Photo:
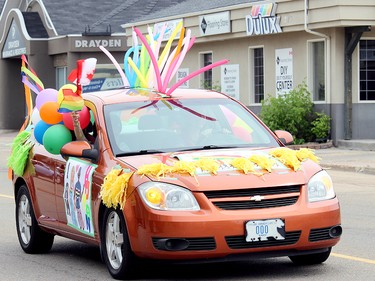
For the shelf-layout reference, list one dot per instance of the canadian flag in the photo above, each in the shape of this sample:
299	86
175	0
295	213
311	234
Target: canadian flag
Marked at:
83	74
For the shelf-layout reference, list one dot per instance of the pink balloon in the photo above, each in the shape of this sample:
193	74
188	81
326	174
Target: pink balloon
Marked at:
177	62
151	54
44	96
84	118
195	73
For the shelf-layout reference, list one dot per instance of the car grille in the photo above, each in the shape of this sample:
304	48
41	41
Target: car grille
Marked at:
319	234
244	199
239	242
194	244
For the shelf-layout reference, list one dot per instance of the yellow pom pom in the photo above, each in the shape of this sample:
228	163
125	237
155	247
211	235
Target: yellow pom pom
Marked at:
262	161
206	164
184	167
306	153
243	164
113	189
155	170
287	156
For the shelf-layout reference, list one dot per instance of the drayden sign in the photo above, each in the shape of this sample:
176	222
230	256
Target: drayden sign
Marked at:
95	43
262	20
14	44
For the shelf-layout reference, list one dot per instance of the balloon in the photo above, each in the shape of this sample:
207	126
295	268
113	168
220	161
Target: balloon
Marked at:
151	54
39	130
35	116
55	137
92	117
118	67
45	96
49	113
84	118
195	73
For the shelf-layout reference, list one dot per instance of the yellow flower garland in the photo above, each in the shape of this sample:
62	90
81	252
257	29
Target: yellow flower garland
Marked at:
113	189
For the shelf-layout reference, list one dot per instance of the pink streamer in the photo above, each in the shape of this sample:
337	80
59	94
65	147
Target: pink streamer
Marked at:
195	73
152	57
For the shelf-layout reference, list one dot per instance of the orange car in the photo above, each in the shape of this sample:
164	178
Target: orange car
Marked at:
187	177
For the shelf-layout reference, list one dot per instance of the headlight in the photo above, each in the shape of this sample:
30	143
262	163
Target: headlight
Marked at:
320	187
163	196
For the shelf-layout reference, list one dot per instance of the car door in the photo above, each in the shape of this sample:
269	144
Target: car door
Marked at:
44	186
73	194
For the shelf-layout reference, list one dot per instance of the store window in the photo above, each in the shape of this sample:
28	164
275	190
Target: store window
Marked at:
206	59
257	73
317	63
61	77
367	70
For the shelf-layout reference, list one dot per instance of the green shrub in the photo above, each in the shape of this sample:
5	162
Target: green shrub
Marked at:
292	112
321	126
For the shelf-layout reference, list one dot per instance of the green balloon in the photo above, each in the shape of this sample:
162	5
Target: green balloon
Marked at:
92	117
55	137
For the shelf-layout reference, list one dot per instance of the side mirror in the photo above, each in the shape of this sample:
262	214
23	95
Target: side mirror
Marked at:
80	149
284	136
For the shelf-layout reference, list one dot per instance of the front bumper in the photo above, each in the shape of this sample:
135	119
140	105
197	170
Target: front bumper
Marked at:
217	234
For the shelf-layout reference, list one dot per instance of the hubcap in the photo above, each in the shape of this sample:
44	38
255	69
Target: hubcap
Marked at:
114	240
24	219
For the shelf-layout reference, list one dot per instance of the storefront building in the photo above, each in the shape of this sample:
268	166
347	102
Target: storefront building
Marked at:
53	35
272	47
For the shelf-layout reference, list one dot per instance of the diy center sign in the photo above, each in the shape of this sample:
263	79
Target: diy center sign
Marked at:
284	71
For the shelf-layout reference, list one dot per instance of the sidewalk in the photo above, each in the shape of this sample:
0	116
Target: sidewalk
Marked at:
351	156
354	160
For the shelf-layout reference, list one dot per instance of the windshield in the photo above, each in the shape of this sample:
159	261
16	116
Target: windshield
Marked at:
169	125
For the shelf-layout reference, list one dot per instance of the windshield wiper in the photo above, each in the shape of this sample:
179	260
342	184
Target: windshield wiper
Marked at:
140	152
213	146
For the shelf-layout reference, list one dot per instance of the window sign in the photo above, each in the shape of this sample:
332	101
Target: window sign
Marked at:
284	70
14	44
181	74
171	25
230	80
263	20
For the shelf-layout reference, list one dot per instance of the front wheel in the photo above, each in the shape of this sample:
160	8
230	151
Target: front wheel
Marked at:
116	250
31	237
311	259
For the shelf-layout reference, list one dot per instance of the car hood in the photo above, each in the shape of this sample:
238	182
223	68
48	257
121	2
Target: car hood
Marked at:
226	176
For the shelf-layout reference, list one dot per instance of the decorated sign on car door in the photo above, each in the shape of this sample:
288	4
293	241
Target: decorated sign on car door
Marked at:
77	195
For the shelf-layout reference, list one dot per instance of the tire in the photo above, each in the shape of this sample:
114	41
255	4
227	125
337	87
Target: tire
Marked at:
32	238
311	259
115	245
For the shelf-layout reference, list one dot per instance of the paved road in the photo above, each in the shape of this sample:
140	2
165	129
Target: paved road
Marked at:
352	259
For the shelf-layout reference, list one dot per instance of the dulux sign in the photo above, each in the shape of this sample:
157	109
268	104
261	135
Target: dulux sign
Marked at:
262	20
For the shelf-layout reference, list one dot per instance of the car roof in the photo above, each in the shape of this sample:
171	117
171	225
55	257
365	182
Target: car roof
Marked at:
140	94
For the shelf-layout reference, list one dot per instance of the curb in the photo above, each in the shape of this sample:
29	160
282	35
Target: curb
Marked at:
312	145
344	168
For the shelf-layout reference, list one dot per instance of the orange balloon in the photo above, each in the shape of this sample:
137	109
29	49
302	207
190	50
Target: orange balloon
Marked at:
49	113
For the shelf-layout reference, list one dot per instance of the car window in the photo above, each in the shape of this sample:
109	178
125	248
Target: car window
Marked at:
173	125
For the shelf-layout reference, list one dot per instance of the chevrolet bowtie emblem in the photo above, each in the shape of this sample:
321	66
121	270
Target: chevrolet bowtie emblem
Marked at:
257	198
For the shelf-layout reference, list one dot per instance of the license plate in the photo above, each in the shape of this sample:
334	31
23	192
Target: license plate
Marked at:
262	230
